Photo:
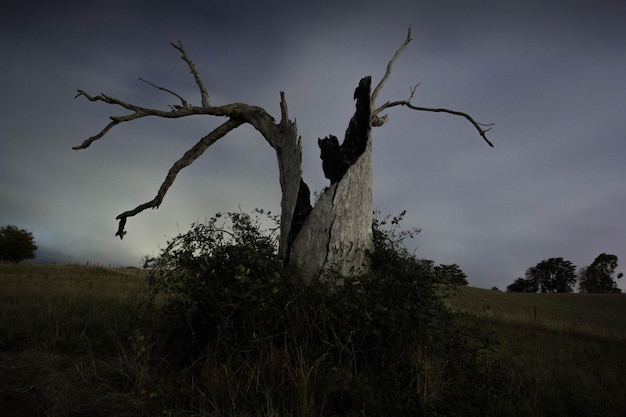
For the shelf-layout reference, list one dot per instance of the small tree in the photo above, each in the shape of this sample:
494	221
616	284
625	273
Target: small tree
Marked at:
598	277
16	244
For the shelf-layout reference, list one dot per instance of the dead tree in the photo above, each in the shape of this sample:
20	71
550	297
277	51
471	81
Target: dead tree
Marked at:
335	234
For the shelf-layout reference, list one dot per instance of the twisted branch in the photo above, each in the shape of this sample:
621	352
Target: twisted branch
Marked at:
282	137
187	159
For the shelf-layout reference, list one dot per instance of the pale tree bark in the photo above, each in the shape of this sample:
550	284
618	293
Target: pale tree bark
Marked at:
334	235
337	235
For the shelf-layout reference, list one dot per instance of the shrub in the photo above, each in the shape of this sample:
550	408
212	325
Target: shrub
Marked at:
257	337
219	284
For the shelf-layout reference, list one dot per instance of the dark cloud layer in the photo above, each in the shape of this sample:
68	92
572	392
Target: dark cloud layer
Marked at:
548	74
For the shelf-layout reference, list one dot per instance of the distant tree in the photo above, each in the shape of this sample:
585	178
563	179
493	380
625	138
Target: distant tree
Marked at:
522	285
451	274
552	275
16	244
598	277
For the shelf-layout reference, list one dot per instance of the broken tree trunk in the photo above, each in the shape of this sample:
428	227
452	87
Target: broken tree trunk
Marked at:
337	236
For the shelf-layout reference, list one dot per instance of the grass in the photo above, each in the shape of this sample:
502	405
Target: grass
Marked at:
71	344
600	316
44	305
64	340
565	352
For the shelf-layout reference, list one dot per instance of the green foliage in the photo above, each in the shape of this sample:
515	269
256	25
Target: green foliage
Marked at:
219	283
598	277
380	344
16	244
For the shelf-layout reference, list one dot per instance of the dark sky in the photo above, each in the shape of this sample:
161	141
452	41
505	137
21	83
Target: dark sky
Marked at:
549	75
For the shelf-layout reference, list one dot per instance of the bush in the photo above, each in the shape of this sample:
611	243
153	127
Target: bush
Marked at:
16	244
257	337
217	282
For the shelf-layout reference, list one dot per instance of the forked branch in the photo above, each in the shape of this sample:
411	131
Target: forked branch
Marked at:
378	120
279	136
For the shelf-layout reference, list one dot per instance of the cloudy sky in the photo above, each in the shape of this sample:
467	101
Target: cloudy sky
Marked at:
548	74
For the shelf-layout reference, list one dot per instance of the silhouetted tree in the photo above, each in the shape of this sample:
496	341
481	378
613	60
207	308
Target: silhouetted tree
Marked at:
16	244
598	277
522	285
552	275
451	274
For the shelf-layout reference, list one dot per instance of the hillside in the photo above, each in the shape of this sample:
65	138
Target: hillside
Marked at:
602	315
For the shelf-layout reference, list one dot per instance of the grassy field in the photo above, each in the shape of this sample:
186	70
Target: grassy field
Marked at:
595	315
64	341
71	345
566	351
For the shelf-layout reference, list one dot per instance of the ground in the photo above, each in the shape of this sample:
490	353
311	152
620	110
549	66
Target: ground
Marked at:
34	383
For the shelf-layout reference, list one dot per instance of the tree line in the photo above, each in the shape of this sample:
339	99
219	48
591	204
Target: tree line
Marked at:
559	275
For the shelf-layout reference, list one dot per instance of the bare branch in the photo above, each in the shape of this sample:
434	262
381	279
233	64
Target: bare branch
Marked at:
477	125
281	136
94	138
229	110
187	159
390	65
182	100
377	120
203	91
413	91
138	113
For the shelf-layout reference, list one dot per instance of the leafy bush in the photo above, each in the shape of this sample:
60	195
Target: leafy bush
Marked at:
380	344
219	284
